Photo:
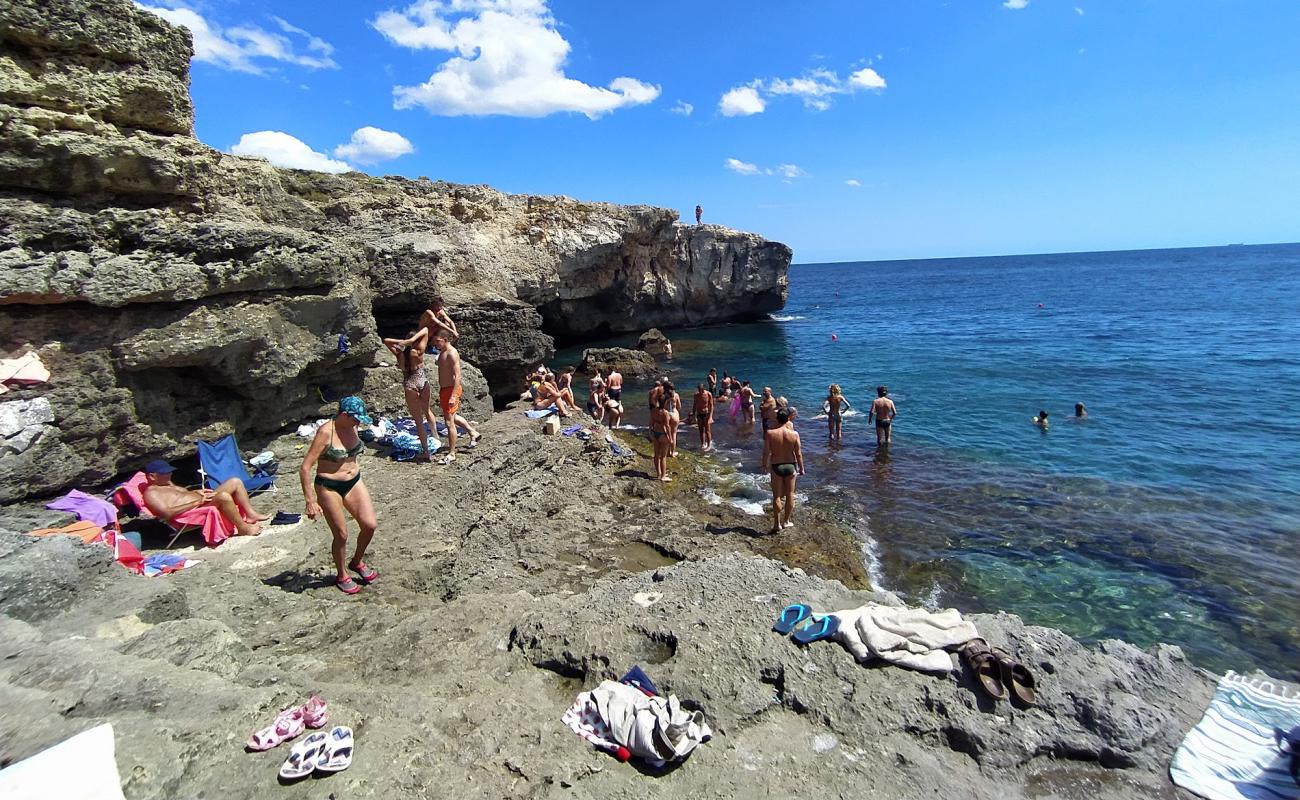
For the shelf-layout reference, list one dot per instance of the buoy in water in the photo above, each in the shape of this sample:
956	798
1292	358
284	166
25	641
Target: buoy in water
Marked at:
834	338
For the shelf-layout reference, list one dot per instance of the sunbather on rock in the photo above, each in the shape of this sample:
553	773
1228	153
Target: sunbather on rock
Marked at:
546	393
165	499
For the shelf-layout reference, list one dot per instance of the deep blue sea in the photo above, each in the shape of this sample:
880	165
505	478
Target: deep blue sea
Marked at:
1171	514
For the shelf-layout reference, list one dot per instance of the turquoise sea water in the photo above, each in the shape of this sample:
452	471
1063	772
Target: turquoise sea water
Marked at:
1171	514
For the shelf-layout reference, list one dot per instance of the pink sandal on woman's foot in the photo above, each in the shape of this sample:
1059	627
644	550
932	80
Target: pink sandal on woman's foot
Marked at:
286	726
315	713
347	585
367	573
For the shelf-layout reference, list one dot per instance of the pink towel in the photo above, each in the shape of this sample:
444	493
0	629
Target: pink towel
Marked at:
216	528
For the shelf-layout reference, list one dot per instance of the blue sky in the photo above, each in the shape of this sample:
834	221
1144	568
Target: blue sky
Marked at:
849	130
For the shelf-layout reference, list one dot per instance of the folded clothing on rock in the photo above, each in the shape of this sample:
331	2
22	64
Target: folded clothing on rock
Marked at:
907	637
26	369
162	563
626	721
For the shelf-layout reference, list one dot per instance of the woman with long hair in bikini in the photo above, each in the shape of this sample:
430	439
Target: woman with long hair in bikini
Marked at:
674	415
835	405
337	490
415	384
660	424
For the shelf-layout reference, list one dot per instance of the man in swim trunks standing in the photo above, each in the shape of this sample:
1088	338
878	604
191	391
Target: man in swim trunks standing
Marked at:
614	384
768	408
699	212
449	393
783	456
702	410
883	411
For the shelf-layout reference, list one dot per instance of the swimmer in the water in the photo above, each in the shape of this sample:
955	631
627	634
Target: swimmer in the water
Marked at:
1040	420
1080	412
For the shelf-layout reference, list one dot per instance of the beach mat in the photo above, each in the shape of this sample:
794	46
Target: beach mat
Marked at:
1232	754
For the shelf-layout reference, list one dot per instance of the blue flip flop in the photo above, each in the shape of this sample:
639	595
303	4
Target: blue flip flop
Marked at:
817	629
791	616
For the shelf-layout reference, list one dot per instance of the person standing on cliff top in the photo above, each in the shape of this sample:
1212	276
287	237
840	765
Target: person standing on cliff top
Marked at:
699	212
614	385
449	393
783	456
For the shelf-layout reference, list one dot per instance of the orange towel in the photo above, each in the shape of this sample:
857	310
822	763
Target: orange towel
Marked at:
84	530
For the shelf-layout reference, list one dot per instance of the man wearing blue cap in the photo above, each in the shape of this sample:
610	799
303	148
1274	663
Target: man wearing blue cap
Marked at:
166	500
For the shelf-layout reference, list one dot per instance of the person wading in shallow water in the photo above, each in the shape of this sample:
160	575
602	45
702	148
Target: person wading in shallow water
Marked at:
660	423
883	412
783	456
702	411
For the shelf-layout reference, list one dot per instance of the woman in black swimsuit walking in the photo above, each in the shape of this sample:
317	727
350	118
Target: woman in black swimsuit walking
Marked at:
337	489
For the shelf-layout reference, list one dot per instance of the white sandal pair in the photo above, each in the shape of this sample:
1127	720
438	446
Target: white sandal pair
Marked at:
319	752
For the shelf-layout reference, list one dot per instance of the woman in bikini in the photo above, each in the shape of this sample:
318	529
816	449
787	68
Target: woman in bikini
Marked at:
415	383
835	405
674	415
660	422
747	402
337	490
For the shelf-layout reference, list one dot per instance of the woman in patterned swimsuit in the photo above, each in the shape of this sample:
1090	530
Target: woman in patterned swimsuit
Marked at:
415	384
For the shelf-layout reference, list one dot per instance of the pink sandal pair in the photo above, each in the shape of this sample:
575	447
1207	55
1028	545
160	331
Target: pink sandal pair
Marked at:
290	723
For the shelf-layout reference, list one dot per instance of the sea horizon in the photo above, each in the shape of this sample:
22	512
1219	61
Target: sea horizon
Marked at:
1043	254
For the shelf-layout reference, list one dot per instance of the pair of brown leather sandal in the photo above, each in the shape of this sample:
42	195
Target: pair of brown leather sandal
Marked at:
996	671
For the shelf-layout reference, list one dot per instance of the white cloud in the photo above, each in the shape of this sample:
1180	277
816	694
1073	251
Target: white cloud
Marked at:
853	182
284	150
867	78
741	101
786	172
509	59
684	108
372	145
816	88
241	48
741	167
1078	11
1015	3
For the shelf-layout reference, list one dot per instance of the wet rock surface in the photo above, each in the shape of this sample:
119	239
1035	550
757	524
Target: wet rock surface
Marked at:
177	291
633	364
532	569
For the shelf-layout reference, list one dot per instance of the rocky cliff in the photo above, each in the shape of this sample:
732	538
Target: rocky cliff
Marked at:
177	291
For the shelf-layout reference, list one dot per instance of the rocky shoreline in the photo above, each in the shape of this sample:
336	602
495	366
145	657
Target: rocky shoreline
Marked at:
508	585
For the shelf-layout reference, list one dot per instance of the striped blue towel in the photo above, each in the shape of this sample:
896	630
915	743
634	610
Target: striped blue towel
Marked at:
1232	754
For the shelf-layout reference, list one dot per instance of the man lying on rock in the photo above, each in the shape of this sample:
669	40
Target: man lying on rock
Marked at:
165	500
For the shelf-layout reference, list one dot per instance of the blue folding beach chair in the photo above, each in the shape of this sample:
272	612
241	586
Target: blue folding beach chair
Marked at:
219	461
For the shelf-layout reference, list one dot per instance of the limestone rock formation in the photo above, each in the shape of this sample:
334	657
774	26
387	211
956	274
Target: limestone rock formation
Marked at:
178	292
633	364
655	343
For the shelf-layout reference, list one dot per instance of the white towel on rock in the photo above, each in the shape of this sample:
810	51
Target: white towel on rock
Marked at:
907	637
